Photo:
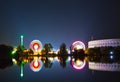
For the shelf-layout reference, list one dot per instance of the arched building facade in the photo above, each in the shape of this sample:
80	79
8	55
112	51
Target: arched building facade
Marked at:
104	42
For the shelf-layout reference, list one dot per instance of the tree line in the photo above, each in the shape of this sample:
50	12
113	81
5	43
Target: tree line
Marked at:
104	54
7	53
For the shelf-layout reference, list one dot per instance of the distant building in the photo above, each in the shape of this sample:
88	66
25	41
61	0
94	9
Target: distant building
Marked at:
104	66
104	42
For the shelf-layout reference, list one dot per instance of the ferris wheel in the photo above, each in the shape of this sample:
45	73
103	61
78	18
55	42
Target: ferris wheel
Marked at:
77	45
36	45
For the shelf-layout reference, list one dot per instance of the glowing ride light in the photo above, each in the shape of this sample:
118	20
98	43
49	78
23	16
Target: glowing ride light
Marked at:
36	45
78	65
78	45
36	65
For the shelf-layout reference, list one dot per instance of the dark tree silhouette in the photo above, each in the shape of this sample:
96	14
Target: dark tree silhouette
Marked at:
47	63
47	48
102	54
63	61
79	54
63	54
20	54
63	50
5	56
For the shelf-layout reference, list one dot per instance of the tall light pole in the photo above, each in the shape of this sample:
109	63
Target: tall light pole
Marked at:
21	38
22	63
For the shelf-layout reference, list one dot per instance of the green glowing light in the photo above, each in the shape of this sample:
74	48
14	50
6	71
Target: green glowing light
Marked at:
21	75
21	40
13	52
21	71
23	62
21	36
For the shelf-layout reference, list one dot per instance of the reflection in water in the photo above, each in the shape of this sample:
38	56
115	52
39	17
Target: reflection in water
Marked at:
47	62
78	64
62	61
36	65
38	57
68	59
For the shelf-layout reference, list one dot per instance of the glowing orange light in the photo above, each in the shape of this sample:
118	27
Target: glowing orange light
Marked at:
78	65
36	65
36	46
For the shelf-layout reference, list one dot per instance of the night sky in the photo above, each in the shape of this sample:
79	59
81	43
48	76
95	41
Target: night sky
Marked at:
57	21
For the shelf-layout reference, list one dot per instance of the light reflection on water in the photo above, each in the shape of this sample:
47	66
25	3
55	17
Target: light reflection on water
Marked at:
57	73
37	63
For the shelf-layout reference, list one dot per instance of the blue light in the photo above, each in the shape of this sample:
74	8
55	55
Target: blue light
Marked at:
111	57
111	52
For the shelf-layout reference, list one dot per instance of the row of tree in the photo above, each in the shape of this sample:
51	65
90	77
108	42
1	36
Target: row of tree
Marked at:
97	54
104	54
7	53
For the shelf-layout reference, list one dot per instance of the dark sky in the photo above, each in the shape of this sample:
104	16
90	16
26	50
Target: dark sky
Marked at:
57	21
